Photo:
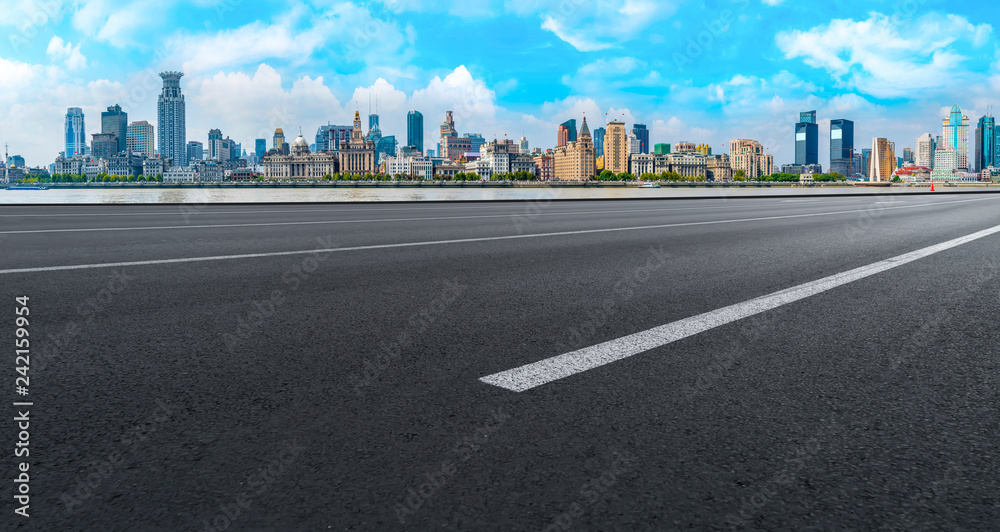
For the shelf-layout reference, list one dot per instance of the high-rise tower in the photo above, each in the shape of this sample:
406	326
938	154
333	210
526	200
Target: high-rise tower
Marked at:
171	119
76	134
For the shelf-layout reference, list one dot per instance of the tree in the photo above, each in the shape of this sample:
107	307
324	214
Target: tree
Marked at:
607	175
740	175
896	179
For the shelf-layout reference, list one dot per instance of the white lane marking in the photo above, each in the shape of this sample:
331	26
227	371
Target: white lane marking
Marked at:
389	220
558	367
439	242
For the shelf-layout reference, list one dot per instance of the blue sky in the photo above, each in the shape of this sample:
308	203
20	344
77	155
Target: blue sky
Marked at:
698	70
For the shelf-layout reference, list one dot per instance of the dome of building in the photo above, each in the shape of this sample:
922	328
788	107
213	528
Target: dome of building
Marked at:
300	142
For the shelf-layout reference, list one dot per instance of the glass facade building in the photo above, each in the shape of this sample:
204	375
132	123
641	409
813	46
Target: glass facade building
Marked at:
171	118
76	134
807	139
841	147
986	143
415	130
115	121
570	126
640	133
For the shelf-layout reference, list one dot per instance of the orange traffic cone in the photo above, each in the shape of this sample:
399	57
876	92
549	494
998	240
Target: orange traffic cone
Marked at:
932	187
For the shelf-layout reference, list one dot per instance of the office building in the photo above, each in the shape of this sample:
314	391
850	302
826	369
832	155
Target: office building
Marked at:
986	144
195	152
522	146
661	149
599	141
562	136
956	137
882	160
357	155
718	168
415	130
570	126
140	138
684	147
337	135
908	156
171	118
807	139
115	122
75	133
641	134
278	142
260	148
616	153
842	147
104	145
750	157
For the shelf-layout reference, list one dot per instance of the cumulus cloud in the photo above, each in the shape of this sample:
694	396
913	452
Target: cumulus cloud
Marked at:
593	26
887	58
66	52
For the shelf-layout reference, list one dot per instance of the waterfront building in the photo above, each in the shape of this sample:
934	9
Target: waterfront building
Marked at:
357	155
616	150
300	164
599	141
155	166
689	164
71	165
641	163
802	169
171	118
570	126
842	147
338	134
661	149
260	148
807	139
415	130
634	145
750	157
718	168
213	146
562	136
576	160
75	132
908	156
522	146
413	165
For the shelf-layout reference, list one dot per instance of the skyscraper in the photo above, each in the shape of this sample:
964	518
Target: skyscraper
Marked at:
260	148
76	134
956	137
115	122
925	151
279	139
171	118
415	130
562	136
866	157
616	147
599	141
908	156
571	129
807	139
522	145
215	147
883	160
986	143
841	147
640	132
140	138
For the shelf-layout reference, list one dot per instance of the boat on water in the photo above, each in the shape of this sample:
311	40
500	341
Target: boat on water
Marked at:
26	187
649	185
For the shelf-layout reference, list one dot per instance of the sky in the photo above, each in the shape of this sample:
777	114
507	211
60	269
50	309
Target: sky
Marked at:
702	71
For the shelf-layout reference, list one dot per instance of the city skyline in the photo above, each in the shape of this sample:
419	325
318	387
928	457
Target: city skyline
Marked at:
645	62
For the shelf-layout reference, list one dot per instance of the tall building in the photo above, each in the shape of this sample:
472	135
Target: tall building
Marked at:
576	160
750	156
260	148
140	138
522	145
279	140
924	155
842	147
908	156
956	137
357	156
415	130
104	145
171	118
115	121
76	132
195	152
616	147
640	132
986	144
599	141
562	136
807	139
883	160
571	129
215	147
866	158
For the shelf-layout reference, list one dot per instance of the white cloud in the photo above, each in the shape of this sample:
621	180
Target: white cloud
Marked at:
65	51
593	26
885	57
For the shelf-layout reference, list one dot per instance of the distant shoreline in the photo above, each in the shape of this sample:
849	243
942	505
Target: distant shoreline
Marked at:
472	184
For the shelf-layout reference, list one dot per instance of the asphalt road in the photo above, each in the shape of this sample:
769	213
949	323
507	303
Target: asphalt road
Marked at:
315	367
